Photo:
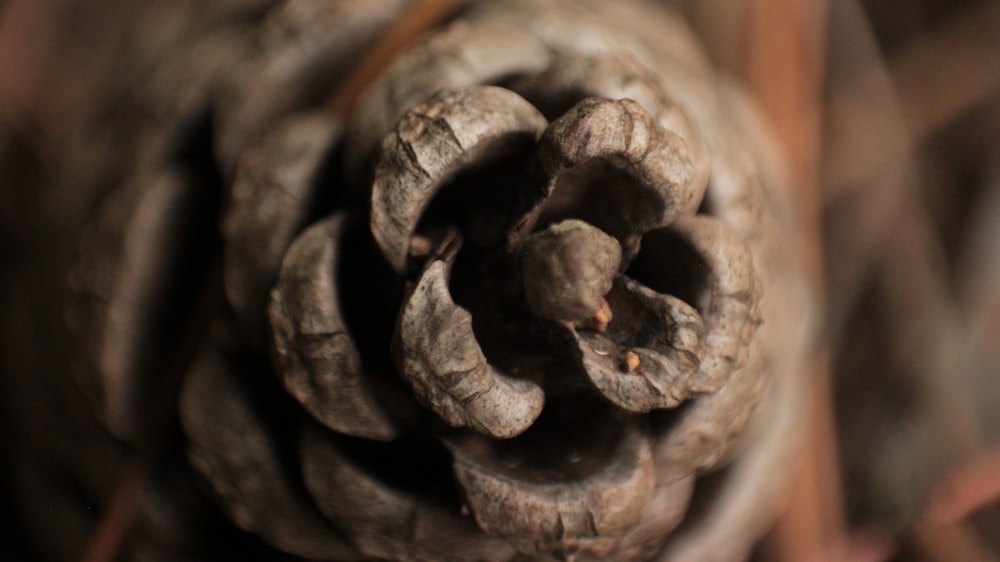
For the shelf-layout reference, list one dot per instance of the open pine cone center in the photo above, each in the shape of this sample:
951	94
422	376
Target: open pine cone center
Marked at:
511	307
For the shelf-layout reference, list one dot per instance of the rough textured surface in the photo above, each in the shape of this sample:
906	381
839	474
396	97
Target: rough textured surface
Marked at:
649	354
276	186
240	456
432	141
315	353
127	300
382	521
584	513
289	62
442	360
658	178
515	306
463	54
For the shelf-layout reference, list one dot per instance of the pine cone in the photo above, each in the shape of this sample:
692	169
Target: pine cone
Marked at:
512	307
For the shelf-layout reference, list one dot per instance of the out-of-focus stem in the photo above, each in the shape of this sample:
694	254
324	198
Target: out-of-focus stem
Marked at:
783	66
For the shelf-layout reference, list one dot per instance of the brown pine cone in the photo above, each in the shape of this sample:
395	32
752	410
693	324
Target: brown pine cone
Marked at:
522	303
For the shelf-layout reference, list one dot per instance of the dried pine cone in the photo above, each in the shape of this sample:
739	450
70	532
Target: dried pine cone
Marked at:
518	301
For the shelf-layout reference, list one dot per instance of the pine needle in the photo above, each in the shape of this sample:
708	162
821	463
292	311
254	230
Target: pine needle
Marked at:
419	17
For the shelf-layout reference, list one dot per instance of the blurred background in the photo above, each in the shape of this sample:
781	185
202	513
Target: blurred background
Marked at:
889	114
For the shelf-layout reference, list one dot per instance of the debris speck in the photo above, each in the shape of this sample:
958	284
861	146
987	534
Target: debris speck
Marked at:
420	246
599	322
631	361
